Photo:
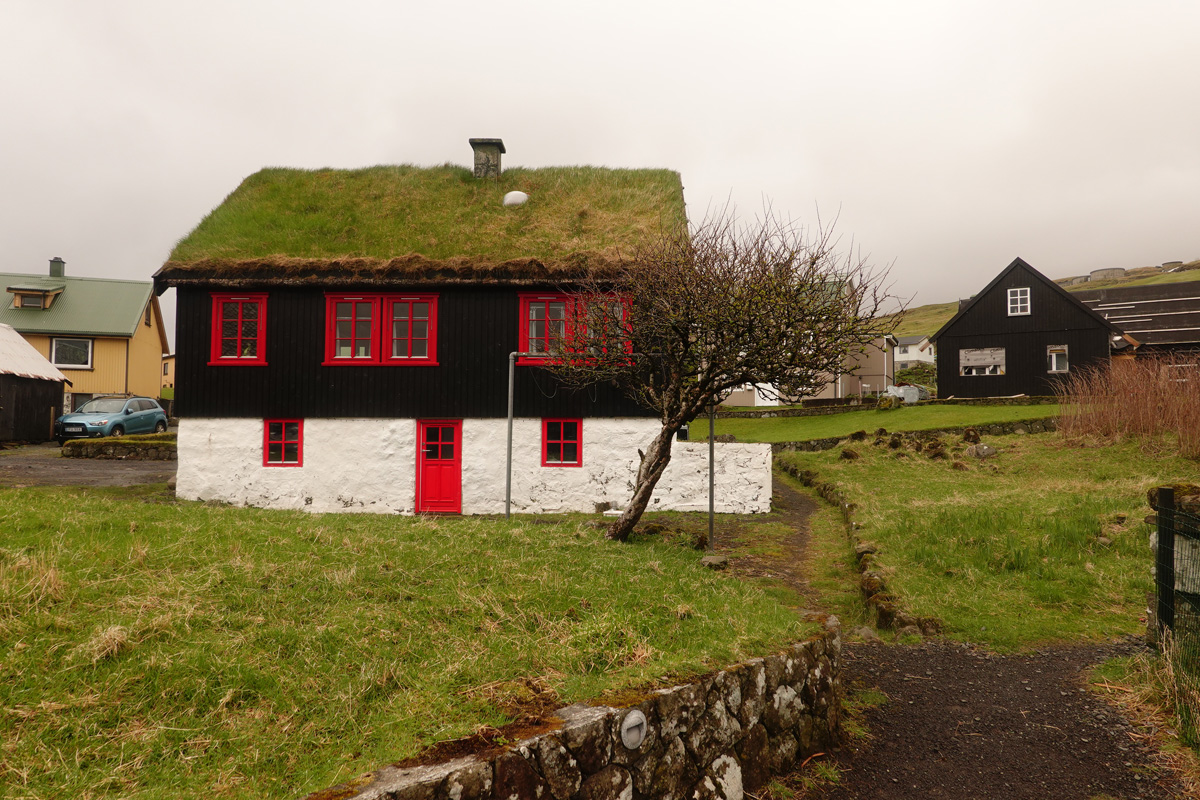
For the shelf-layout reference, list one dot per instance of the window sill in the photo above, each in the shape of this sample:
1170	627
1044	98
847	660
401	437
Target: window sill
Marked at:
75	367
556	464
368	362
238	362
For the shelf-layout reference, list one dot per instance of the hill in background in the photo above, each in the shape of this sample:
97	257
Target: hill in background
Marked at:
925	320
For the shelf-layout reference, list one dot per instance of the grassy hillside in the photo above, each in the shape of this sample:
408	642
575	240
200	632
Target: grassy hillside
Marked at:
926	320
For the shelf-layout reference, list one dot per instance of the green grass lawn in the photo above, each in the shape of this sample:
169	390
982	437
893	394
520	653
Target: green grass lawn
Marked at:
154	648
905	418
1044	542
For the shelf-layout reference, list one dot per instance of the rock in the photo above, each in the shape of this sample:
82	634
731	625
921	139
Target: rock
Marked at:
514	777
910	630
881	432
970	436
784	710
959	466
858	436
658	774
714	732
754	692
849	455
753	754
472	782
862	548
610	783
1104	541
980	451
715	562
895	442
171	483
722	781
559	768
833	623
588	735
865	633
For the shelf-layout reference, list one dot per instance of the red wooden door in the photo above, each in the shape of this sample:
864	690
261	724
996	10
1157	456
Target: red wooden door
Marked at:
439	466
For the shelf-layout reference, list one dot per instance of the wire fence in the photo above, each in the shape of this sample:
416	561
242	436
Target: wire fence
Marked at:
1176	544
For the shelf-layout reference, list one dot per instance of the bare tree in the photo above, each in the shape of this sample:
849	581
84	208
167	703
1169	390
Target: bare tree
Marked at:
695	314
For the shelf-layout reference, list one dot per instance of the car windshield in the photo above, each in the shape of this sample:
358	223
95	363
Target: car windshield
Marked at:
103	405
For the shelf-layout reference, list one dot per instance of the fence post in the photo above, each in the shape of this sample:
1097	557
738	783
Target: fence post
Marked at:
1164	564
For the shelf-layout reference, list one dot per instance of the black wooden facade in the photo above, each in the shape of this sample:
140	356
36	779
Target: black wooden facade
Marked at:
1055	319
28	408
477	328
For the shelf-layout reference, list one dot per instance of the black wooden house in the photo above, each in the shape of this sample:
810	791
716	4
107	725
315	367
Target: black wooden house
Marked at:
343	343
1021	335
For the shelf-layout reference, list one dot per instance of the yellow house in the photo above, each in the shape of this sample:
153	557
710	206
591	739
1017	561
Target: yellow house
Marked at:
106	336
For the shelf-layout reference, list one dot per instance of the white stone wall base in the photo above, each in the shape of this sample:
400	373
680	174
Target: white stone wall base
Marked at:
369	465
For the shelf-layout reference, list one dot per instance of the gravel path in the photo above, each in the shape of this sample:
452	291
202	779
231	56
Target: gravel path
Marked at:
41	465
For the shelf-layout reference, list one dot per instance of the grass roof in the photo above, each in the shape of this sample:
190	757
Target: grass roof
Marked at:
405	219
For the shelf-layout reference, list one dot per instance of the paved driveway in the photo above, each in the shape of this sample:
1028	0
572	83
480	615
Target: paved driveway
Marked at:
42	465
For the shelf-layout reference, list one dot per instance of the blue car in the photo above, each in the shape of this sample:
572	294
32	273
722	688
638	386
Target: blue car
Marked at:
111	416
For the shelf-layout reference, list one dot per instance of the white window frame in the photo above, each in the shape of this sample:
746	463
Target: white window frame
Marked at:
1052	353
54	352
1018	302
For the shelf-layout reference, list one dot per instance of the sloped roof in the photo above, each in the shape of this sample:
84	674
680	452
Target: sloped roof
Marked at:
18	357
86	306
965	307
1155	314
438	223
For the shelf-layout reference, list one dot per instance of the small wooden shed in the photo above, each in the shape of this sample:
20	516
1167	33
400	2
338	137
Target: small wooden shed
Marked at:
31	390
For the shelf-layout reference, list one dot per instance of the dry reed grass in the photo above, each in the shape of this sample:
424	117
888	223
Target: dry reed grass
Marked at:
1143	399
28	583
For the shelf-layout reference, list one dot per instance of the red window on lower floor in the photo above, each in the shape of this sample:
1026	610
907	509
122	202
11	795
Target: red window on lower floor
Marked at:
562	442
283	443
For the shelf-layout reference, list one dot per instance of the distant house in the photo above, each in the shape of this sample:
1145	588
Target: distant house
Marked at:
31	390
106	336
168	372
1022	334
1164	317
344	341
912	350
869	372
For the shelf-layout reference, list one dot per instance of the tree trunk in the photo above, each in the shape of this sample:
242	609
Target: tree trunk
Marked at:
654	463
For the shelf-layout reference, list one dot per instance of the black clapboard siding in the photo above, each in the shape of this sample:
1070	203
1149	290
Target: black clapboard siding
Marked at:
28	408
477	329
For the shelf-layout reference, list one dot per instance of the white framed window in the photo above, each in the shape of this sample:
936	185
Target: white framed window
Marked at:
76	353
981	361
1018	302
1056	358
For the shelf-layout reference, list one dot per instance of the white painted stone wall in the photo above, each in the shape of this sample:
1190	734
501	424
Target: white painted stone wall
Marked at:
370	465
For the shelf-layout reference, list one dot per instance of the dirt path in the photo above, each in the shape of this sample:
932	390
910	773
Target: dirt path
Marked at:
960	722
41	465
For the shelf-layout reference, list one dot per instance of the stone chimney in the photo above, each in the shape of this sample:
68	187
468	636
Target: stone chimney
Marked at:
57	267
487	157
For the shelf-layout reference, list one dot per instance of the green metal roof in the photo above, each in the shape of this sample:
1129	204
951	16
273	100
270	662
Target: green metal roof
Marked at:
86	306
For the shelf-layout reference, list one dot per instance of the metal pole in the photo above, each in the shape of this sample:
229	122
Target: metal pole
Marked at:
711	481
512	368
1164	563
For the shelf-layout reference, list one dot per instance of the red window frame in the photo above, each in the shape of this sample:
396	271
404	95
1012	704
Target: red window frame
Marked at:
390	304
380	334
219	301
574	309
283	439
555	435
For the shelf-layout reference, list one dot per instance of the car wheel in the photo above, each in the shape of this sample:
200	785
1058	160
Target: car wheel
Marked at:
160	427
117	431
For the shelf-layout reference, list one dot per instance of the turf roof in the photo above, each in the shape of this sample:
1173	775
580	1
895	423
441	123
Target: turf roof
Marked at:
406	220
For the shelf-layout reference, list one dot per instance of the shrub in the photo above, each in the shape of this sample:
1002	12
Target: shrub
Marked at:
1139	398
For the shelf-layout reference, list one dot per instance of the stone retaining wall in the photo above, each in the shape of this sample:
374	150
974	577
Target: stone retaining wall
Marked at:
871	404
119	448
715	739
1045	425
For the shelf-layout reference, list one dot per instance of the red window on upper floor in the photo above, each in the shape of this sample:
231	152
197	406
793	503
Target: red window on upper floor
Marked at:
239	330
562	442
547	319
283	443
376	329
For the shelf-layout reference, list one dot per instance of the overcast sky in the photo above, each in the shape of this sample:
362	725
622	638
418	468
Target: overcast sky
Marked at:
948	137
